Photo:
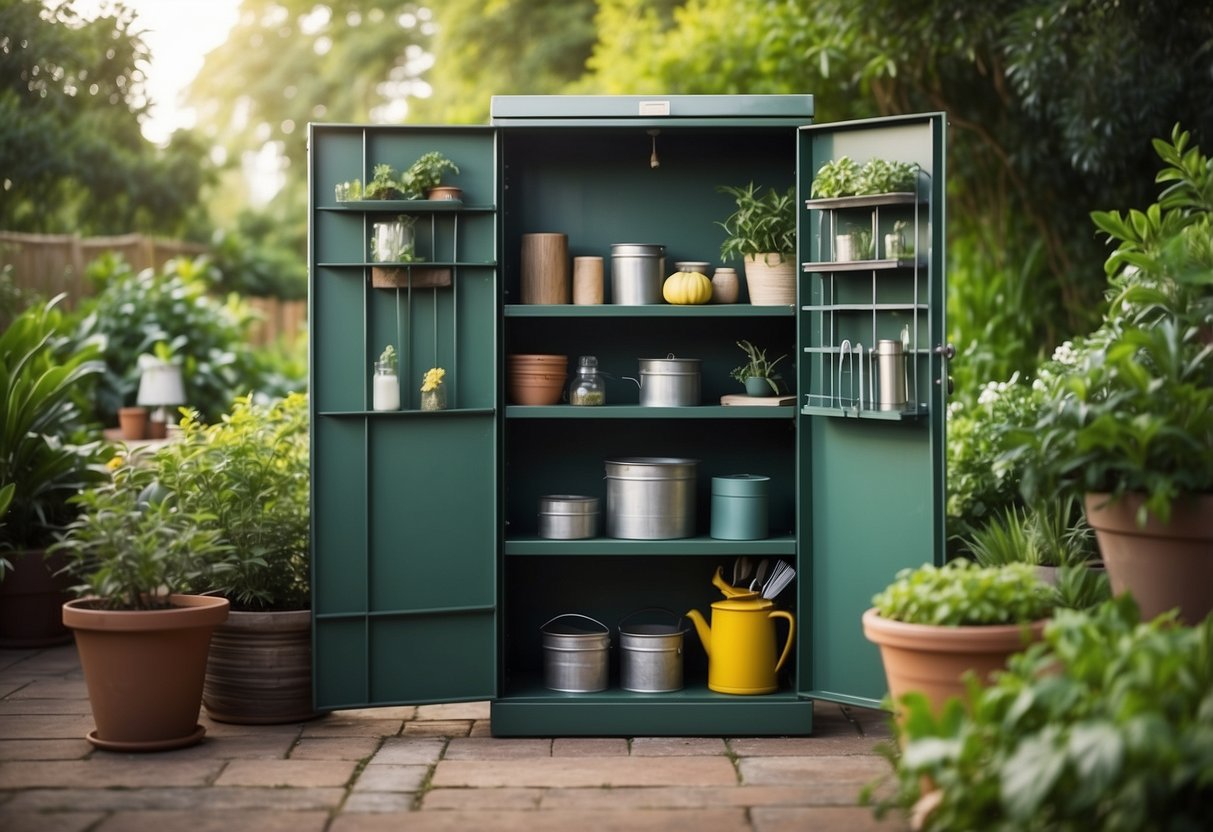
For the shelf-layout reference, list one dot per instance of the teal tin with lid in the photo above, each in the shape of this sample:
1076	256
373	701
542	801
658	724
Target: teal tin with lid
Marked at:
739	507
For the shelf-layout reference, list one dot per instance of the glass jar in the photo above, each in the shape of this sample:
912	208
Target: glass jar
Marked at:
726	287
434	399
385	387
587	387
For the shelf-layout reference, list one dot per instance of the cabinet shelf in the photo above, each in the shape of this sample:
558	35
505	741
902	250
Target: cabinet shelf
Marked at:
861	265
426	264
700	546
853	412
839	203
653	310
407	414
405	206
633	411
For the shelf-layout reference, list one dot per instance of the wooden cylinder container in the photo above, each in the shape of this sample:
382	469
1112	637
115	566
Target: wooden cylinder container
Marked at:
545	268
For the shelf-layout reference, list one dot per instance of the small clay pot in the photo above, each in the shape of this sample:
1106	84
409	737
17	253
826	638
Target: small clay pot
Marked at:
535	388
133	422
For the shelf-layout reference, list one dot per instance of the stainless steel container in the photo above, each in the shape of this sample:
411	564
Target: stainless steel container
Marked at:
574	657
891	375
669	382
637	273
650	657
568	516
650	498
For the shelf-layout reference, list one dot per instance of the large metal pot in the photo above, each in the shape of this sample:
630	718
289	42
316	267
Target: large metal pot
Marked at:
637	273
668	382
650	498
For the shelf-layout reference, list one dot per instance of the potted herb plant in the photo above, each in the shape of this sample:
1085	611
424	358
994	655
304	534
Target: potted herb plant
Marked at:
383	184
424	178
762	231
845	177
1102	726
1129	422
934	624
45	458
757	374
142	640
247	477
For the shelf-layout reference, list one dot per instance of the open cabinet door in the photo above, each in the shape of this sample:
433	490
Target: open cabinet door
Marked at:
404	501
873	382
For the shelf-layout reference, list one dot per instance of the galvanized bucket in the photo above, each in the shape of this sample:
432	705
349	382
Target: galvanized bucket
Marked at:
568	516
650	659
574	658
650	497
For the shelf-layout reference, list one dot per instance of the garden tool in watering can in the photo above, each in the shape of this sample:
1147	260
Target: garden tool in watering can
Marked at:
740	642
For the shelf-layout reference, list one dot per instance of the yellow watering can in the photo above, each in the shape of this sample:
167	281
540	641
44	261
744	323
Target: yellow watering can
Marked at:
741	641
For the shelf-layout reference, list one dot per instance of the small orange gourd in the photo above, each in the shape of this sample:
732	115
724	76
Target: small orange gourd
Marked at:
687	288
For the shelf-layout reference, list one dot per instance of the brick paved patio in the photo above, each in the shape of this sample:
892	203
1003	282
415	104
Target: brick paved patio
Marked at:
430	767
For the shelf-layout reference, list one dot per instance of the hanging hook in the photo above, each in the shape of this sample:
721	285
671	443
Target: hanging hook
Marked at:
654	162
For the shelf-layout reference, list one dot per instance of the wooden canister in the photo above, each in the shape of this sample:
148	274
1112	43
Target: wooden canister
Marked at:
545	268
587	280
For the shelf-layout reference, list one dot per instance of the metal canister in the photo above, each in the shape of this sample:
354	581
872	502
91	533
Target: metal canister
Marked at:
650	657
575	658
637	273
651	498
669	382
890	375
739	507
568	516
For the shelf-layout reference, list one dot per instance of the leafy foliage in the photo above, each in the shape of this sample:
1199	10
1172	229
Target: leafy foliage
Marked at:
964	594
845	177
757	366
71	151
246	480
762	224
42	452
1053	533
135	312
1106	726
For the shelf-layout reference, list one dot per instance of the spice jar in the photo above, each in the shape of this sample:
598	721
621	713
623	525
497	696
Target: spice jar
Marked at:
386	386
587	387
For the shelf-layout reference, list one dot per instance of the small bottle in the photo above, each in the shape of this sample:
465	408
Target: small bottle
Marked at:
726	287
385	388
587	387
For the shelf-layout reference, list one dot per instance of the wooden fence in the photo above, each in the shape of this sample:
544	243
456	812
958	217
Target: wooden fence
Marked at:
52	263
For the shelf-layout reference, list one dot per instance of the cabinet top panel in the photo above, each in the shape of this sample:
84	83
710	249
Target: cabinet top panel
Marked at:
504	108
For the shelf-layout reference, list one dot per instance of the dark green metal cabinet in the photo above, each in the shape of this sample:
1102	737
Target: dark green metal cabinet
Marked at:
430	582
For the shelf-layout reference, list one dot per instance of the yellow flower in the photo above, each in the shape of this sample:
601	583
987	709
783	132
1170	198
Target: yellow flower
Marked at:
115	462
433	378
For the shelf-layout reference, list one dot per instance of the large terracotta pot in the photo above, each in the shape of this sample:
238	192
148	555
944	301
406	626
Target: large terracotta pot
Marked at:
144	670
1161	566
535	379
260	669
933	660
32	596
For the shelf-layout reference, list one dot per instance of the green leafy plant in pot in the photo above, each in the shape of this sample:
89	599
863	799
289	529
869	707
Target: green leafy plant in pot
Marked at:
1102	726
247	477
142	640
46	456
757	374
934	625
1129	423
762	232
424	177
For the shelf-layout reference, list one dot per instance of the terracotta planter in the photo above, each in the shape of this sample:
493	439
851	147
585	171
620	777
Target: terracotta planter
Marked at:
144	670
133	422
933	660
770	279
260	669
1161	566
31	601
444	192
535	378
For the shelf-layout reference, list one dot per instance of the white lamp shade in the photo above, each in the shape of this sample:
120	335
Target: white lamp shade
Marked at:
161	385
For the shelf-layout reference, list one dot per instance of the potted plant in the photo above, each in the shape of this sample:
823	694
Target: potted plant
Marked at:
433	393
45	459
762	231
934	625
142	641
757	374
845	177
1129	422
246	477
1050	535
1102	726
383	184
424	178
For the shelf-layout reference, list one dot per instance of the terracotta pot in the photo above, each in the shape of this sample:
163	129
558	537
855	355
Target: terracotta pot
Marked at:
536	361
1161	566
933	660
444	192
133	422
260	669
144	670
32	596
770	279
543	388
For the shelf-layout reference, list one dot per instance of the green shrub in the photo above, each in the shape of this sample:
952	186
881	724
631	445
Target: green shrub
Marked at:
134	312
964	594
1105	726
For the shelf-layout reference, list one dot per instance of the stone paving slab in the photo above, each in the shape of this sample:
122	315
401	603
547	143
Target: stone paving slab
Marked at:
438	728
223	821
45	726
107	771
677	746
48	821
51	688
644	820
15	705
379	802
813	746
408	750
678	797
391	778
293	773
555	772
506	799
183	799
589	747
44	749
335	725
779	770
489	748
836	819
338	748
454	710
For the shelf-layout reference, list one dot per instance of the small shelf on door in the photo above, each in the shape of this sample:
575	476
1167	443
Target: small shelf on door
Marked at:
406	206
839	203
694	546
862	265
823	406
